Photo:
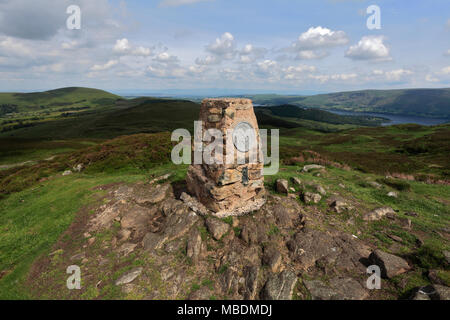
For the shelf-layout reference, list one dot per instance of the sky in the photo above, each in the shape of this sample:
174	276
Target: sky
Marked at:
232	46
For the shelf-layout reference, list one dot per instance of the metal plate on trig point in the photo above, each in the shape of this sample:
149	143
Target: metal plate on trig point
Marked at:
244	136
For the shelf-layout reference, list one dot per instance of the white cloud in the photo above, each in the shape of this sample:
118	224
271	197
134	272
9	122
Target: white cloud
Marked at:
445	70
312	44
319	37
250	54
223	47
106	66
176	3
392	75
334	77
369	48
14	47
447	53
297	72
124	47
165	57
311	55
431	78
206	61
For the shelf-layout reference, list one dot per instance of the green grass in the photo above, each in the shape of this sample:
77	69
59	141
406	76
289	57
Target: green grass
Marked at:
32	220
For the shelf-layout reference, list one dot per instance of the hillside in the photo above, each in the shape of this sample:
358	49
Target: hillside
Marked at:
113	219
414	102
64	97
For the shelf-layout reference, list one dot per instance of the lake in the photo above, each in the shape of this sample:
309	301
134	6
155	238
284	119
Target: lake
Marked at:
394	118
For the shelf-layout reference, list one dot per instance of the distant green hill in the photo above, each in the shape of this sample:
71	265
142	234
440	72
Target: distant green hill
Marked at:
26	102
414	102
142	115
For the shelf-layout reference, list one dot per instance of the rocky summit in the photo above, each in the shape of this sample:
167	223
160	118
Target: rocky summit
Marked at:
154	241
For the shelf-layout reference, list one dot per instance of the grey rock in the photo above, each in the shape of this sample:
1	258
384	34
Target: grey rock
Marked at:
129	276
321	190
319	291
282	186
272	258
204	293
217	228
443	292
78	167
378	213
78	256
312	167
194	245
338	289
389	264
296	181
153	241
376	185
309	197
194	204
251	282
280	286
67	172
392	194
411	214
446	255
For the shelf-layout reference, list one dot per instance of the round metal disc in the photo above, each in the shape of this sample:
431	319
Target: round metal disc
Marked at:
244	136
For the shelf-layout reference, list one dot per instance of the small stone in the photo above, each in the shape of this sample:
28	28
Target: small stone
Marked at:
91	241
395	238
78	256
376	185
392	194
296	181
312	167
67	172
282	186
321	190
126	248
378	213
78	167
123	235
86	235
129	276
446	255
309	197
217	228
389	264
411	214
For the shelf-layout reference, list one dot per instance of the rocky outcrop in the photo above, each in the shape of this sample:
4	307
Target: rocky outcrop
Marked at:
337	289
217	228
378	213
280	286
389	264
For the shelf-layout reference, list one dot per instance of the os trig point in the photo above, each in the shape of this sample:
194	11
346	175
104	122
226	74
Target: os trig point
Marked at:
226	175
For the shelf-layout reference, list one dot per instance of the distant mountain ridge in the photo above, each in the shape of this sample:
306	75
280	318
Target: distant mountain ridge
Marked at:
432	103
